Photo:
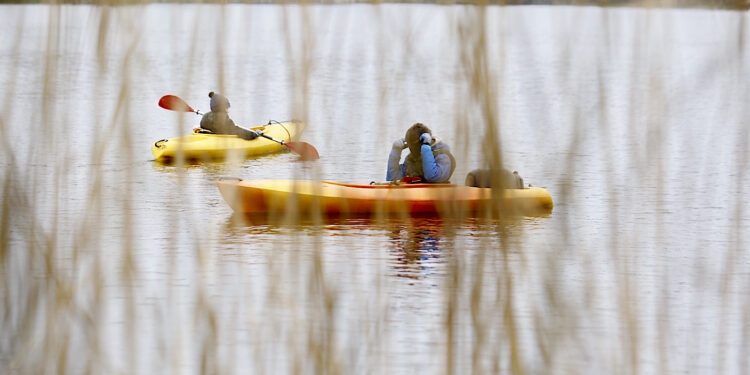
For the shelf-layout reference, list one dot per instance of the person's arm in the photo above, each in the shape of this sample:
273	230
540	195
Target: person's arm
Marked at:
206	122
241	132
395	170
435	169
245	133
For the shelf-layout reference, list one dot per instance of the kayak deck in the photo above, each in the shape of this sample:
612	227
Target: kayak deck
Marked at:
201	146
305	196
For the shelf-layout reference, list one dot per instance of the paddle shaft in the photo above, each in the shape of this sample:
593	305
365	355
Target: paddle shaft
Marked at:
279	141
175	103
198	112
304	149
272	138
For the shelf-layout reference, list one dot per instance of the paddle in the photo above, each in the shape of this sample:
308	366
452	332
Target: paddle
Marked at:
305	150
175	103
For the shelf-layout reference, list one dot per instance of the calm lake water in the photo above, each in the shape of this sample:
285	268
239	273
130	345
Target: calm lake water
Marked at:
635	120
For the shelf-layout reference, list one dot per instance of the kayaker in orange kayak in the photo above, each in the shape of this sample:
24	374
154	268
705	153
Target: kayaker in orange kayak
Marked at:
217	121
429	159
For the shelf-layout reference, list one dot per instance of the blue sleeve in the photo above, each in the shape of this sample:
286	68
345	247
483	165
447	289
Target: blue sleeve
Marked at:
435	169
395	171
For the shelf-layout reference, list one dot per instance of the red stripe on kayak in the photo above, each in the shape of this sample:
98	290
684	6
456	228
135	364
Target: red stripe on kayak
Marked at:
389	186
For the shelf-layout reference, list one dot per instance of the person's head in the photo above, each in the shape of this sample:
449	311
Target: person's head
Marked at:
412	137
219	103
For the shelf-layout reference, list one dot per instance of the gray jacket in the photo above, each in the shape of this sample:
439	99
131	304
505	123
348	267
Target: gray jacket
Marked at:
220	123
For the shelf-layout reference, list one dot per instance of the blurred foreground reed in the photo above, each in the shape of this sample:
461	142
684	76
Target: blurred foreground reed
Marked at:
112	265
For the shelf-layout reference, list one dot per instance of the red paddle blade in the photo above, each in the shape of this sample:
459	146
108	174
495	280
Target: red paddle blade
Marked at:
174	103
305	150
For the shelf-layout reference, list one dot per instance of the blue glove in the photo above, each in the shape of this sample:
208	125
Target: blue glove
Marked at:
425	138
399	144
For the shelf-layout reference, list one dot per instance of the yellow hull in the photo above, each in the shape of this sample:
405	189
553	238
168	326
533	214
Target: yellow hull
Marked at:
217	146
303	196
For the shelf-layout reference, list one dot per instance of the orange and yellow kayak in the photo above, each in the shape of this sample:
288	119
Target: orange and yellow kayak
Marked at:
305	196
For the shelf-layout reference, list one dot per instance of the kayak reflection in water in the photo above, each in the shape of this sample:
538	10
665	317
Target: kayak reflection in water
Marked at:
429	159
416	247
217	121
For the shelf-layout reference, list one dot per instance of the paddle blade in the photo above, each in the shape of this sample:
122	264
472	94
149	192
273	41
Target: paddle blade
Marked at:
174	103
305	150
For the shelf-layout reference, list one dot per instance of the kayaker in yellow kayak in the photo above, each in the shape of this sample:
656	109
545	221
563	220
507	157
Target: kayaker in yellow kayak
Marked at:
429	159
217	121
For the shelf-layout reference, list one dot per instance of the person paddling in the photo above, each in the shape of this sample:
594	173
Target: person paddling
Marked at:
218	121
429	159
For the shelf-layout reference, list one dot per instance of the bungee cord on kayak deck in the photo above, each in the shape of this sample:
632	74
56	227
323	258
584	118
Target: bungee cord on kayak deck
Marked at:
289	135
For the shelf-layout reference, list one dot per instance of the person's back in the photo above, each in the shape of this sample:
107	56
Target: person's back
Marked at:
429	159
218	121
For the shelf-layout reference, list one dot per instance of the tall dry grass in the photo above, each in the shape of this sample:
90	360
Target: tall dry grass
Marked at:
72	302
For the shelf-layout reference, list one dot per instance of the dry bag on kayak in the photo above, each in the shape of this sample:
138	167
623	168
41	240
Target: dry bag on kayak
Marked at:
483	178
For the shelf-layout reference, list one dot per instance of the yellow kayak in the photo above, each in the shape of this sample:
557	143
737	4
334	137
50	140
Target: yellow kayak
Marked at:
304	196
216	146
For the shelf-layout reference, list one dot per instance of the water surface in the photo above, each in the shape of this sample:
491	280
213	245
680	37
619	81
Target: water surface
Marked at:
634	119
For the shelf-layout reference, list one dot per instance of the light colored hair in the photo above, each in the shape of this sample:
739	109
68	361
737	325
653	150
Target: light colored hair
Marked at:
412	137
